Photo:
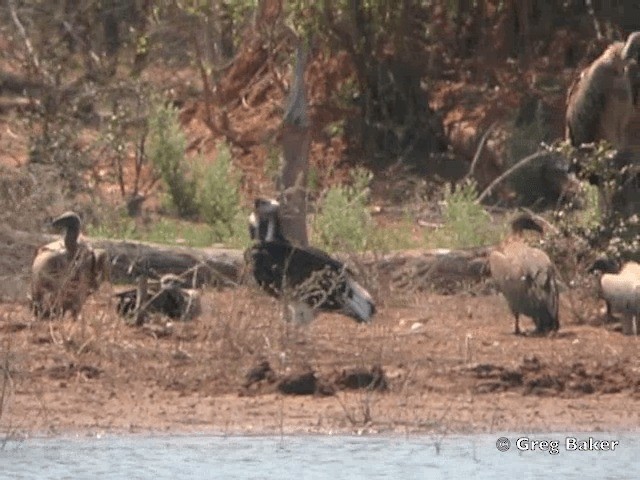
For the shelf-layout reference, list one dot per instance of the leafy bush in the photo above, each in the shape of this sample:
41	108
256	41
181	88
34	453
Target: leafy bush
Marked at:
116	224
166	147
343	221
603	219
218	195
466	223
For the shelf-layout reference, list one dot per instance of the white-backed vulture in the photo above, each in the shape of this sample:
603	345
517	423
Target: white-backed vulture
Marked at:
620	289
169	297
526	277
602	99
65	272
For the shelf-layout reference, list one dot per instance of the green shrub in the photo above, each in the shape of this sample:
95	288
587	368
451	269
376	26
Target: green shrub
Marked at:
218	195
170	231
466	223
343	221
166	146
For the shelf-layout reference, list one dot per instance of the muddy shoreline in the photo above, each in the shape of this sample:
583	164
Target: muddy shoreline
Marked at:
451	363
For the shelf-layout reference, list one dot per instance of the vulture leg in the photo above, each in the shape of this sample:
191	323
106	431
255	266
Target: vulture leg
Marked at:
300	313
141	301
517	329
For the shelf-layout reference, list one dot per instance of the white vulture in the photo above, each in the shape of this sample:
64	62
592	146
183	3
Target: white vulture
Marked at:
526	277
65	272
309	278
602	99
620	289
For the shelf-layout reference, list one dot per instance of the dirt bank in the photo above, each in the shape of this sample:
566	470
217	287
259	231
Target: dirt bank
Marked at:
451	364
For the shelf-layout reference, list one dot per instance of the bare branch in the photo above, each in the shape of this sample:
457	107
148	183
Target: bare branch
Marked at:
33	56
476	157
522	163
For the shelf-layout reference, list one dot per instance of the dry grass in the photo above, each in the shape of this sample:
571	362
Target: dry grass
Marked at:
100	372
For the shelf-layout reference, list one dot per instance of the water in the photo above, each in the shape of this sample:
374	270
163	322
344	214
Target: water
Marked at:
312	457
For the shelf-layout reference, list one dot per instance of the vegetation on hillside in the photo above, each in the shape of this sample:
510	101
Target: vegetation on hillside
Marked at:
109	91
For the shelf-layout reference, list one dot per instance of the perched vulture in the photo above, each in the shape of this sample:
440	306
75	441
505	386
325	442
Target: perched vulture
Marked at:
601	100
526	278
309	278
169	296
65	272
620	289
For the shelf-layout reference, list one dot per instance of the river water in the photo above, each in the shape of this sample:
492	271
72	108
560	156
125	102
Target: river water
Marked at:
319	457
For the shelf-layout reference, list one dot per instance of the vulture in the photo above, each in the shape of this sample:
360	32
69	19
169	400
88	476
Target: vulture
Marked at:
65	272
526	277
309	279
601	100
168	296
620	289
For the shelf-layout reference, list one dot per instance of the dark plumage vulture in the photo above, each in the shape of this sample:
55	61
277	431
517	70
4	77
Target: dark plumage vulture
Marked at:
65	272
309	278
620	289
526	277
601	100
169	297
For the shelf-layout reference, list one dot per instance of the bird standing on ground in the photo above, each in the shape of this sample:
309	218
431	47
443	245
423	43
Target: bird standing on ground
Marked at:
620	289
308	278
526	277
66	272
602	99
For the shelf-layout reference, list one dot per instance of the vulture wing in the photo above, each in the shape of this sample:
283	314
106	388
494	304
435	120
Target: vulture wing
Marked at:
526	278
312	277
631	268
586	103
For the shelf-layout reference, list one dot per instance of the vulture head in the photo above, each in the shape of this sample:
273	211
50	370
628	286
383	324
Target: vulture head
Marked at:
70	223
631	49
264	221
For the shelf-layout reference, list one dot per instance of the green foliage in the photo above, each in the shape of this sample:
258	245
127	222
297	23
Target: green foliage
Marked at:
396	237
211	191
218	195
165	230
272	163
466	223
313	180
343	222
345	94
335	129
166	147
169	231
603	218
589	216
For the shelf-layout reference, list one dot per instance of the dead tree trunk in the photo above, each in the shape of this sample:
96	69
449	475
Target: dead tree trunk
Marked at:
296	139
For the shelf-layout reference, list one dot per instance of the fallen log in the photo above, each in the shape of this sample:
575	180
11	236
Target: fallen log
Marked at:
209	266
443	270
